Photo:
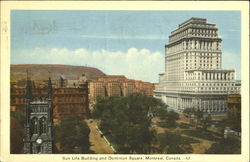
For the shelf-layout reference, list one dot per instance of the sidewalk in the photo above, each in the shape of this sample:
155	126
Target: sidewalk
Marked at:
98	144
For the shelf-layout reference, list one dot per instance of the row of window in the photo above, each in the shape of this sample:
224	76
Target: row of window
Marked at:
35	109
38	126
201	60
205	84
199	31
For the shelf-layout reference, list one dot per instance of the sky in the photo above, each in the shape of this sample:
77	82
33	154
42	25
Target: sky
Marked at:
129	43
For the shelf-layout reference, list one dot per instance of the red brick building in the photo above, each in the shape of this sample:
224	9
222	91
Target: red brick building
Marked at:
117	85
234	111
66	100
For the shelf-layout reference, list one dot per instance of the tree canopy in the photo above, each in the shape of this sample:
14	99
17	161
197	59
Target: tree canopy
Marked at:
73	135
174	143
229	145
17	120
126	121
16	136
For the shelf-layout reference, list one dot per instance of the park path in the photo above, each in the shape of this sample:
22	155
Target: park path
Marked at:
98	144
198	148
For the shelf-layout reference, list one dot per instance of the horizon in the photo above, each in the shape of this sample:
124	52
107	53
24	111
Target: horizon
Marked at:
129	43
98	69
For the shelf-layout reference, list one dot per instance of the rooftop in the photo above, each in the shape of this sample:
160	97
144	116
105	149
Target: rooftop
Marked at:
194	20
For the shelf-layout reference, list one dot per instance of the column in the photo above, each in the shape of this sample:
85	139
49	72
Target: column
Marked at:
215	76
232	75
220	103
183	100
214	46
212	106
204	105
200	105
198	45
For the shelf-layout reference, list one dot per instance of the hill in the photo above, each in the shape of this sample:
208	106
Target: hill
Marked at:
40	71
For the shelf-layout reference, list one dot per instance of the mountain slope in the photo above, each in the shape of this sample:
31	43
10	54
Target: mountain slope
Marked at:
41	71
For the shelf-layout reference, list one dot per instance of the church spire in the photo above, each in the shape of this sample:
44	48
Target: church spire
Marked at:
49	87
28	88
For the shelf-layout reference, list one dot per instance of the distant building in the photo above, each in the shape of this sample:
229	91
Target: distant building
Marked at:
193	76
66	100
117	85
62	81
234	111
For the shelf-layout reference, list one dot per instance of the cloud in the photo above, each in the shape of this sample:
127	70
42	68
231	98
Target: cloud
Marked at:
151	37
232	60
141	64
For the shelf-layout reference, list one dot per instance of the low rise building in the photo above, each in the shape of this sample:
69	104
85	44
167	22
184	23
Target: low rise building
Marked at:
117	85
66	100
234	111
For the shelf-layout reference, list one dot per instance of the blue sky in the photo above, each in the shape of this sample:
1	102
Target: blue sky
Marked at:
117	42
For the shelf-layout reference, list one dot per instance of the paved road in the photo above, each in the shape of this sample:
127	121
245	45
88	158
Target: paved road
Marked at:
98	144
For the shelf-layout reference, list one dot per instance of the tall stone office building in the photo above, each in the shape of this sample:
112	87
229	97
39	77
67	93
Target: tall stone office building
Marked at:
193	76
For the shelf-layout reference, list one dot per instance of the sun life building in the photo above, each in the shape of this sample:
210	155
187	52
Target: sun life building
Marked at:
193	76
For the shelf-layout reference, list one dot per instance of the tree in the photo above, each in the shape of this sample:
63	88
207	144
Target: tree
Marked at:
19	116
17	120
189	112
171	118
126	121
168	117
230	145
206	122
174	143
161	113
16	136
199	115
73	135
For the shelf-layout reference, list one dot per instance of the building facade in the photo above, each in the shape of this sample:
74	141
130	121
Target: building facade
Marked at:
66	99
38	136
117	85
193	76
234	111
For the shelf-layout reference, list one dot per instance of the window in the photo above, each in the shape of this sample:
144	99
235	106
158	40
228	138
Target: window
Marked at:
43	125
34	126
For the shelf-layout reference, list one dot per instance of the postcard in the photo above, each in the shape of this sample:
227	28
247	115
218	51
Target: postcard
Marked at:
124	81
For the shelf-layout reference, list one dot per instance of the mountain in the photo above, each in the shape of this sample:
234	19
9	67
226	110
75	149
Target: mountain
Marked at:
41	72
